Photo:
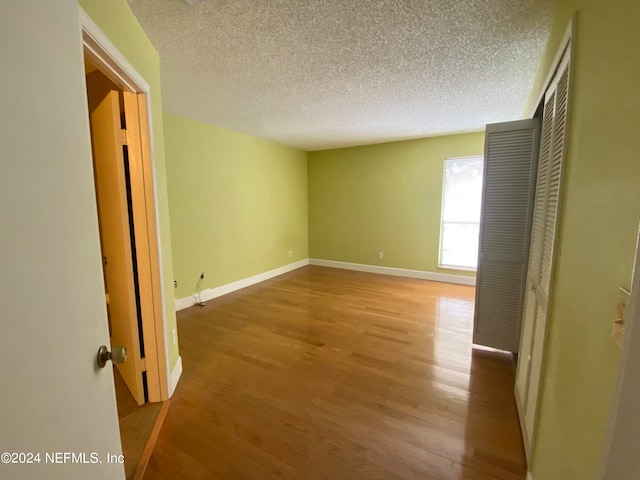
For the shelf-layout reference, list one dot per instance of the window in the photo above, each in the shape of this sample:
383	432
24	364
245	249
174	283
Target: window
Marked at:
462	195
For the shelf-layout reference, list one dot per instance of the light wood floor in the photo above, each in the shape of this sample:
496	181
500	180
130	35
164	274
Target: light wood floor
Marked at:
331	374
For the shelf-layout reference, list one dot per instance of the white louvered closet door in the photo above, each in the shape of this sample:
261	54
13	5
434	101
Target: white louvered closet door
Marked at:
535	252
511	151
542	252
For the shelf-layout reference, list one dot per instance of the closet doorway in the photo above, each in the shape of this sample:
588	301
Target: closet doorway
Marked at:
118	116
124	237
542	252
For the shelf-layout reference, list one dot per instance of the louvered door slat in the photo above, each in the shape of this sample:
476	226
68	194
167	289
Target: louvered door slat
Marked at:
541	259
535	253
509	176
537	227
499	306
554	183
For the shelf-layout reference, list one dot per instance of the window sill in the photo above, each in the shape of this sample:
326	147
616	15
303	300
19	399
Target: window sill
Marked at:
460	269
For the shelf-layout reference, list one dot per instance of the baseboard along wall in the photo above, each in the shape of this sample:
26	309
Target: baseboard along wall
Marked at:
175	376
211	293
399	272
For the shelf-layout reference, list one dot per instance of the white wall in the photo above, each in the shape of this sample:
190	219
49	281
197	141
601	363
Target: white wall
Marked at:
52	313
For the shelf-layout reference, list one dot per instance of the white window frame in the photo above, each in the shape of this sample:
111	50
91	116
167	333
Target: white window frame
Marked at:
442	220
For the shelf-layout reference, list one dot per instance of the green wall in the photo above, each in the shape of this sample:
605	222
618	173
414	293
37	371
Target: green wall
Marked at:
599	224
238	203
115	19
385	197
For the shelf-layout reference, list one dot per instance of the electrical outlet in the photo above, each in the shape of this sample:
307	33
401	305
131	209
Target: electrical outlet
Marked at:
174	336
380	255
290	253
175	284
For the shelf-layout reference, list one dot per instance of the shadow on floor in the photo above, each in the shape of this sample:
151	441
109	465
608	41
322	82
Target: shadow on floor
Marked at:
136	424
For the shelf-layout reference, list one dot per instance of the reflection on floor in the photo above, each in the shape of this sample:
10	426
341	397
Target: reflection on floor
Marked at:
331	374
135	424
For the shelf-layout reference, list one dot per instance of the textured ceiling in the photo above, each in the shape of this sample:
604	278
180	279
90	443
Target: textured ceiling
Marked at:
332	73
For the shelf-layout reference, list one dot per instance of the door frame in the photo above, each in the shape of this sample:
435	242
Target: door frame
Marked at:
104	55
566	44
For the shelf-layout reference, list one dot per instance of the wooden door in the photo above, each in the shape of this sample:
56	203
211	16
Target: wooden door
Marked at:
115	237
146	244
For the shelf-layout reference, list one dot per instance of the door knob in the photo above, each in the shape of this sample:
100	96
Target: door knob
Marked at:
118	355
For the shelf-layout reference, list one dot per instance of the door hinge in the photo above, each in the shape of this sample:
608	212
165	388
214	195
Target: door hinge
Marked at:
144	364
124	137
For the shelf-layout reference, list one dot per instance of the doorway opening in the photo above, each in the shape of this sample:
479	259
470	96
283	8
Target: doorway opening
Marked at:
126	218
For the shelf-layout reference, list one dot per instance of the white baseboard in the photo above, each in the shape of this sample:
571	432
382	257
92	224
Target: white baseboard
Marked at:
211	293
175	376
399	272
186	302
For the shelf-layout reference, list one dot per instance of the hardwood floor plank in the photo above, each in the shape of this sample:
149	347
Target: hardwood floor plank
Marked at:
331	374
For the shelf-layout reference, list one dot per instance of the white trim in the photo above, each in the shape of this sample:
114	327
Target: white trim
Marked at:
175	376
523	425
442	220
103	53
529	475
459	269
186	302
211	293
118	69
399	272
565	43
